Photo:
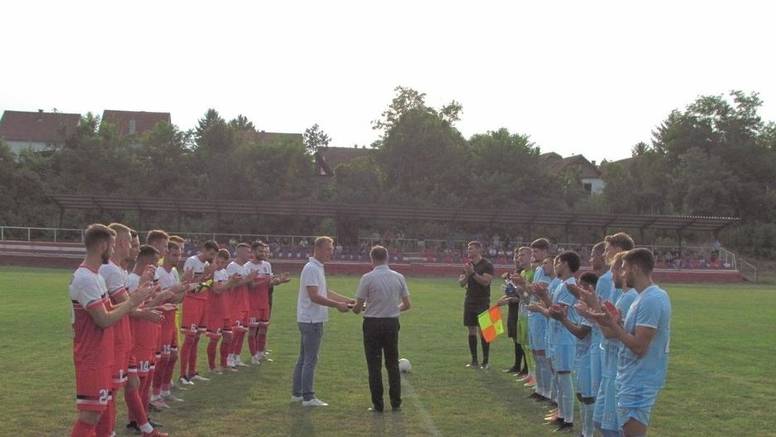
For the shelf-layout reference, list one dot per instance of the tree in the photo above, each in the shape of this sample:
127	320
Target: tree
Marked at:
315	139
407	100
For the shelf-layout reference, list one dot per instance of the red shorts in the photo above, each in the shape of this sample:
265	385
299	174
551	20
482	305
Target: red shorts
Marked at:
120	368
168	339
194	315
257	316
93	387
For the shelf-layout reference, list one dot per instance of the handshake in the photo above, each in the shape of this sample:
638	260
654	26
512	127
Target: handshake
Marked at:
349	305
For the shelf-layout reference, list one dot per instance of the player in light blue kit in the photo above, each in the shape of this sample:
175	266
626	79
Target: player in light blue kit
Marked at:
537	324
645	335
562	342
583	333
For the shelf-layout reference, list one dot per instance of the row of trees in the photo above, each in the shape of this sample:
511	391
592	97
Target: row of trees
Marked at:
715	157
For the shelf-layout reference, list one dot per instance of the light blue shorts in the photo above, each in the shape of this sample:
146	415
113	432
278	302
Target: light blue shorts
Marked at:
584	376
536	330
635	403
563	356
595	367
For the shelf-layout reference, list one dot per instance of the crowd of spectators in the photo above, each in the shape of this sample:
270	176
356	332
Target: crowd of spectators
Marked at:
454	251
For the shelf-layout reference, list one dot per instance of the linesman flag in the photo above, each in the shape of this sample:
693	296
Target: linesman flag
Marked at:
490	323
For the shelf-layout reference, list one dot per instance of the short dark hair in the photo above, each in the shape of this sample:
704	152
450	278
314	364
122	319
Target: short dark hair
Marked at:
589	278
147	251
475	243
599	247
133	233
257	244
224	254
156	235
572	259
641	257
210	245
541	243
96	234
621	240
378	254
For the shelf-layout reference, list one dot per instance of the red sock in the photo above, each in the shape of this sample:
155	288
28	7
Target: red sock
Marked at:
252	342
188	343
167	378
226	348
238	342
145	389
193	356
211	352
135	405
107	420
159	372
83	429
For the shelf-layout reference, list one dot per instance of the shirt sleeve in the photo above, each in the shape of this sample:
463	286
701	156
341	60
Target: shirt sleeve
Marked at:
404	290
112	278
488	268
566	298
309	278
362	288
648	314
189	264
87	292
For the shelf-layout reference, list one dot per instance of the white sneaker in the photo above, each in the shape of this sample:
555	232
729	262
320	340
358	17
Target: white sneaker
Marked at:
296	398
314	402
255	360
238	362
197	377
184	381
230	361
260	356
171	397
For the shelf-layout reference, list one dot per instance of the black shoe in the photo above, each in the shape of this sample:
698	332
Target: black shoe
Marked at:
154	424
132	426
565	427
512	370
536	396
485	365
396	409
473	365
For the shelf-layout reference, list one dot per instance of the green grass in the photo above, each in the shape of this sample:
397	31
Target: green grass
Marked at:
720	380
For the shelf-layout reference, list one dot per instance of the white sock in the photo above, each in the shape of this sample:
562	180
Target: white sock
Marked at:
147	428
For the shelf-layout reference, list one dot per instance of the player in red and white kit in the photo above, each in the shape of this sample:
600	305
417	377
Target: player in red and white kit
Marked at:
218	321
94	319
264	255
145	322
238	307
168	279
196	269
115	275
258	300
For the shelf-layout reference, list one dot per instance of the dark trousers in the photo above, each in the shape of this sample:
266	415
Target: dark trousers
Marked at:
381	335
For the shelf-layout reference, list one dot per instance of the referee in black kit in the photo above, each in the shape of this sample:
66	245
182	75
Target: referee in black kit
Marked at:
385	294
476	277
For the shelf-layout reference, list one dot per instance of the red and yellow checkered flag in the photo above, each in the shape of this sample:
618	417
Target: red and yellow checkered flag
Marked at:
490	323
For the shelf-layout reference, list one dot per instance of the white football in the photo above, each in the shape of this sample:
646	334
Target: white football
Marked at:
404	365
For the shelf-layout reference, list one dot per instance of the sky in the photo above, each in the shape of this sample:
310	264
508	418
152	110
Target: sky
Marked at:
589	77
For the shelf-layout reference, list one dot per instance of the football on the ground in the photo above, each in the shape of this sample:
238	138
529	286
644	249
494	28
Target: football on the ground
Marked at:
404	365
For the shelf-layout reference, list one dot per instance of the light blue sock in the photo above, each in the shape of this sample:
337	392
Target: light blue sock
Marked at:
587	419
539	375
566	397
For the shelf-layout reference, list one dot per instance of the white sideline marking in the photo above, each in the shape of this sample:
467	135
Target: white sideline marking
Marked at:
425	417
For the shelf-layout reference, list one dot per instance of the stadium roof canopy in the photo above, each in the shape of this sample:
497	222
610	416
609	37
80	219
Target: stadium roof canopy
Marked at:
392	212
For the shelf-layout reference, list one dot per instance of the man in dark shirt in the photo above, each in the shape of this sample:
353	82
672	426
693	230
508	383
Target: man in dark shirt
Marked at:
476	277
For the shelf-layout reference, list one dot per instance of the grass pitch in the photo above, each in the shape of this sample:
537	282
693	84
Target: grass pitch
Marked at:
720	379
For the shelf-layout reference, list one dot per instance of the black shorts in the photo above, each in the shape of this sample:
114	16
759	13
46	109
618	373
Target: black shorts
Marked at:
512	316
471	310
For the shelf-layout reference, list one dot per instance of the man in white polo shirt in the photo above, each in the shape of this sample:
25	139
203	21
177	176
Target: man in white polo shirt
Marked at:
386	295
312	310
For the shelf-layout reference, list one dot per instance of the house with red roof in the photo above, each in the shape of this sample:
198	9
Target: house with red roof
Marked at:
37	131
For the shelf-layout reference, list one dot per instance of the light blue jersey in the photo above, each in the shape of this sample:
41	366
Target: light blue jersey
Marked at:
605	411
562	343
537	323
652	309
